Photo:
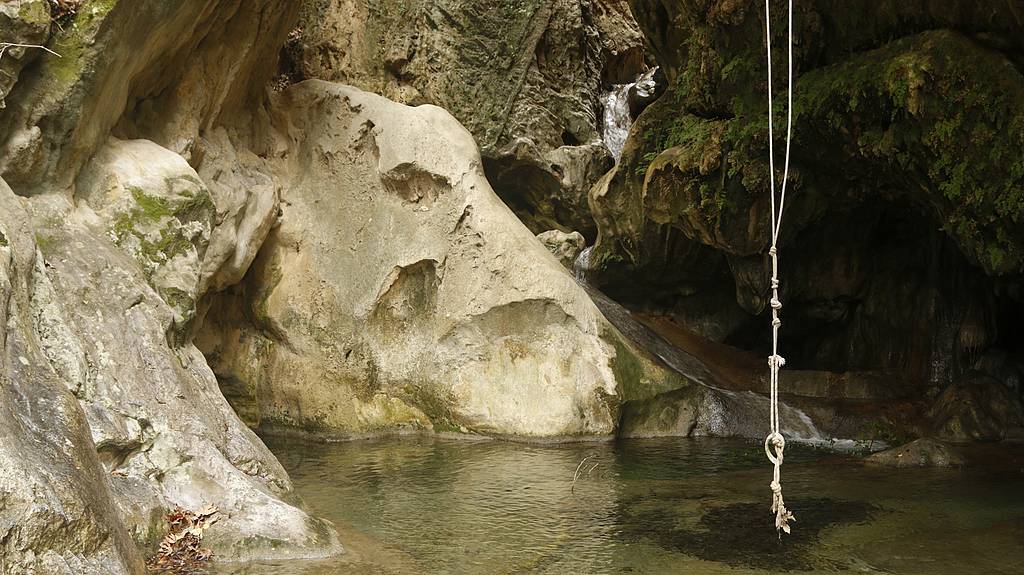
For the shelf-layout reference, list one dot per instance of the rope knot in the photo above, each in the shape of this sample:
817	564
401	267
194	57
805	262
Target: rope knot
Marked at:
774	443
775	440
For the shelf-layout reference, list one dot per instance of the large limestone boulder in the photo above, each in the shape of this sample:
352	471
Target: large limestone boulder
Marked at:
57	514
523	77
399	292
154	206
162	429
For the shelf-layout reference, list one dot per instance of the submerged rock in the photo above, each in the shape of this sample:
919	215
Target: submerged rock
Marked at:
923	452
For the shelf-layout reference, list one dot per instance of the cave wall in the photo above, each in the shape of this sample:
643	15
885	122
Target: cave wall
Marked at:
901	245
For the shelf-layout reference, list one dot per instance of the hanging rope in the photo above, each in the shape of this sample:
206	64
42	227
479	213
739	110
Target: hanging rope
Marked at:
775	443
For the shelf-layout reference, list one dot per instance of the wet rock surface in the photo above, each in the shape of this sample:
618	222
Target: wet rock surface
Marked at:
923	452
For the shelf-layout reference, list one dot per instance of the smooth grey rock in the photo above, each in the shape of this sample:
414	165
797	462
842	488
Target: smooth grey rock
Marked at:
161	427
57	514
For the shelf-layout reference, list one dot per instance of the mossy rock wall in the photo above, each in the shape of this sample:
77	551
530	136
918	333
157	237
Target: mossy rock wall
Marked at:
903	234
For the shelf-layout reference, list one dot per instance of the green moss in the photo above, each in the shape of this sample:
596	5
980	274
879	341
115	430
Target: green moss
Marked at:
3	240
433	405
934	116
73	39
637	377
177	298
147	207
941	106
445	427
259	542
150	210
34	12
45	243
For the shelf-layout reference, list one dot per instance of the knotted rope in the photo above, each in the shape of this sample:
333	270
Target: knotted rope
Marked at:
775	441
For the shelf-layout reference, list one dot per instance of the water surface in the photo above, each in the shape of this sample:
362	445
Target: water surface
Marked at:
423	505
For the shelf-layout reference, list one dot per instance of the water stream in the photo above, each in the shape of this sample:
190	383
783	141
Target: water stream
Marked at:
617	117
693	506
741	413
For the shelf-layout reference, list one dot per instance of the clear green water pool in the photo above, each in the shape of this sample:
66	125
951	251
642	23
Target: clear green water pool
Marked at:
421	505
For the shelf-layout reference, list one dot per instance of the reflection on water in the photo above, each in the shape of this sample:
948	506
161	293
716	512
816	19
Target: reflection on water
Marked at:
437	506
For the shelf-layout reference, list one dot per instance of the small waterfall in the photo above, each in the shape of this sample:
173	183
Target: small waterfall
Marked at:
616	121
619	111
582	265
723	412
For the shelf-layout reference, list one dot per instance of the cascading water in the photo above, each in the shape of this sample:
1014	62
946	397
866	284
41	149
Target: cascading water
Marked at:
582	264
619	109
724	412
616	118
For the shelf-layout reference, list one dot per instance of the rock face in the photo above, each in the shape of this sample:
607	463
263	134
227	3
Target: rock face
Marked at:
111	404
399	293
523	77
57	514
153	205
340	258
977	407
901	242
110	335
24	22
